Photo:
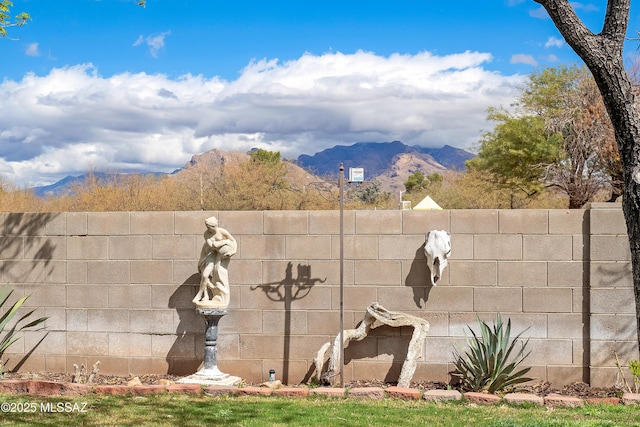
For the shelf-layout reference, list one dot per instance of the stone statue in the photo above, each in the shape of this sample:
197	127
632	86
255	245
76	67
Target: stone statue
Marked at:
218	248
437	248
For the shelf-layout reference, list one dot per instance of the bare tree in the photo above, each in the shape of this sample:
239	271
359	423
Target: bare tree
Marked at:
602	54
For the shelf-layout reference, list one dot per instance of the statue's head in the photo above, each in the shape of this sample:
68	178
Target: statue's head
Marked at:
211	222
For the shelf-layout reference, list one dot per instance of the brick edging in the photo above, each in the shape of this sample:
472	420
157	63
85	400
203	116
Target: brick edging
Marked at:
53	388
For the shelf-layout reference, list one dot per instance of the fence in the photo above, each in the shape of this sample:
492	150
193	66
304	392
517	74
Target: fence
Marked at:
117	287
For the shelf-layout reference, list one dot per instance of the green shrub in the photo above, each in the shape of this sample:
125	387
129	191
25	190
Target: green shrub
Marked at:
10	333
488	364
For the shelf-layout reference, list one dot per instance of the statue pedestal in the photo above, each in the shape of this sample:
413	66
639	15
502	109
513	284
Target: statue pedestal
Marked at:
210	374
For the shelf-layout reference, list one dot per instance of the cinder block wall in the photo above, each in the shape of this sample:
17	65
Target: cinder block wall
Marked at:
117	287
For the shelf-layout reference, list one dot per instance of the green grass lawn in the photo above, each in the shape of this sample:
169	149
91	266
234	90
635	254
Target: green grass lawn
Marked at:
185	410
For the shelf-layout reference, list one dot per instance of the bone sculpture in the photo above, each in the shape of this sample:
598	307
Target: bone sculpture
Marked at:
437	247
390	318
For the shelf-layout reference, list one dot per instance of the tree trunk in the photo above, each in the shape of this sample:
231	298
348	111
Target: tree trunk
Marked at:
602	54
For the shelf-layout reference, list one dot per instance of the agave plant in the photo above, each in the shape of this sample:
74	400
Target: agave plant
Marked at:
488	365
10	334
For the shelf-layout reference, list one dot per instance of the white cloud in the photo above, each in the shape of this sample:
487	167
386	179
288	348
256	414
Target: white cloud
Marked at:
73	118
32	50
155	42
521	58
539	12
554	42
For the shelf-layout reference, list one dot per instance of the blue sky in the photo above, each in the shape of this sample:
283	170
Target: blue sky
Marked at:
108	84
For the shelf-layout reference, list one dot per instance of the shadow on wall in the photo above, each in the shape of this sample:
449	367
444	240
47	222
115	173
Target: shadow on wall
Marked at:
418	278
23	234
286	291
383	340
182	358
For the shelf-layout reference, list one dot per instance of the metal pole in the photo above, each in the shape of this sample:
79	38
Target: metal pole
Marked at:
341	185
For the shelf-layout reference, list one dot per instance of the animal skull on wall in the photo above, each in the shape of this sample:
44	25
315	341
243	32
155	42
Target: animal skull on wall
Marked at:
437	247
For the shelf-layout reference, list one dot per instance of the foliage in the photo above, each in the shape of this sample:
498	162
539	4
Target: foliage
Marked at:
634	367
368	193
417	181
488	365
5	17
516	154
558	135
10	331
265	156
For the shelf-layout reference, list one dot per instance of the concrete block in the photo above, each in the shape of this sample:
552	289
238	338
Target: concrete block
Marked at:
474	221
482	398
611	274
26	224
286	222
420	222
262	247
378	272
461	247
581	247
176	247
12	248
76	272
569	221
45	342
47	248
379	222
523	221
45	296
550	352
376	393
152	272
398	298
547	248
355	247
129	344
567	375
439	349
129	296
77	223
547	300
522	273
609	301
257	346
87	296
173	346
106	272
108	223
335	392
240	222
273	322
317	298
172	296
613	327
401	247
567	274
441	395
88	247
497	299
607	221
308	247
192	222
450	298
56	224
23	272
248	322
567	325
328	222
151	223
610	248
497	247
87	343
473	273
76	319
108	320
151	321
130	247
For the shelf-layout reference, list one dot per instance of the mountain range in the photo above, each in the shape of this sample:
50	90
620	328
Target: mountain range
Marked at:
390	163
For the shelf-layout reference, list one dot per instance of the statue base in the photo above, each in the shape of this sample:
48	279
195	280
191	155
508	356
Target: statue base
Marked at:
210	377
210	374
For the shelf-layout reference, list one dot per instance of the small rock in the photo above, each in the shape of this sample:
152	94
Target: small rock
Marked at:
134	382
272	384
165	382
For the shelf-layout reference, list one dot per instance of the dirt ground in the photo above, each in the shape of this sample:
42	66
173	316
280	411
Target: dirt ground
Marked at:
542	389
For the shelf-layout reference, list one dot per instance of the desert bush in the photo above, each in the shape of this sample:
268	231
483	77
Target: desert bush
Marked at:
488	364
10	332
